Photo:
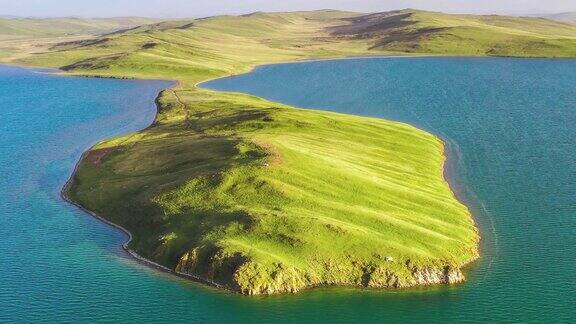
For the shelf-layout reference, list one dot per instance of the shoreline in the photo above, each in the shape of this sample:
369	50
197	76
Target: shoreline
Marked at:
367	57
197	86
447	173
125	245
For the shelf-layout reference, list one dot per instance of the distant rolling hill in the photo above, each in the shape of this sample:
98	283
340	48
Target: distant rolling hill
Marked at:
417	31
27	28
22	36
569	17
403	31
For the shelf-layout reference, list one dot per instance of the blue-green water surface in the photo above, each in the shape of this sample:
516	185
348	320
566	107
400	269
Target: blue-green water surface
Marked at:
510	128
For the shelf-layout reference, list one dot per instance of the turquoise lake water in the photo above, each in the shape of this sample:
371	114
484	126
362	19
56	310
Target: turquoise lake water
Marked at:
510	128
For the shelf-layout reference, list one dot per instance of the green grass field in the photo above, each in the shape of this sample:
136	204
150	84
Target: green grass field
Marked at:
263	198
414	31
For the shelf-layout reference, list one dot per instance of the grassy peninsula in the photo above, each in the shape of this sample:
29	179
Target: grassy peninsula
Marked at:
263	198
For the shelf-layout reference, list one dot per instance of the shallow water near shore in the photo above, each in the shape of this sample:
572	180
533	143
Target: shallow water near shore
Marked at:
508	123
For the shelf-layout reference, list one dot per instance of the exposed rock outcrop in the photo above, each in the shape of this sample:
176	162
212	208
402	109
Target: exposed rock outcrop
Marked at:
240	274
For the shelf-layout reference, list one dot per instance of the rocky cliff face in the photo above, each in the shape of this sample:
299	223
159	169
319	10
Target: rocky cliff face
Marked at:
438	276
240	274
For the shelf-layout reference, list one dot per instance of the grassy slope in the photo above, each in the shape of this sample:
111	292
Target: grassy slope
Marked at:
24	35
438	33
265	198
20	28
